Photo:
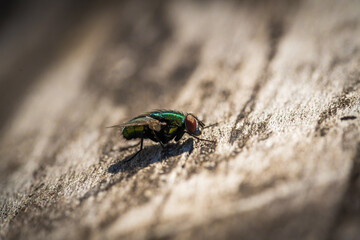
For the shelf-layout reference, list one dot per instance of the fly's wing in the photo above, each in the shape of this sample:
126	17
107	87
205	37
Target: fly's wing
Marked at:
152	123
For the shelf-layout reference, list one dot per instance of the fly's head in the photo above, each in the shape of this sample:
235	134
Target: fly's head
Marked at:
193	125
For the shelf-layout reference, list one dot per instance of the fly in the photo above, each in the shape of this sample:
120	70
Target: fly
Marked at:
161	126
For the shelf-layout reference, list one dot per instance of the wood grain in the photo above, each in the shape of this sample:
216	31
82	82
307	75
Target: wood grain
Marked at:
281	79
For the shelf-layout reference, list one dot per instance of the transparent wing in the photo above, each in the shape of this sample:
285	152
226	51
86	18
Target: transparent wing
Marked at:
129	124
153	124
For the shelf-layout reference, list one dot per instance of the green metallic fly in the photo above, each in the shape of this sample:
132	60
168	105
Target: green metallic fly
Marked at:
161	126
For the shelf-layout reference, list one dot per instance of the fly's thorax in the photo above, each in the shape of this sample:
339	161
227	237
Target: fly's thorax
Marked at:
192	125
172	117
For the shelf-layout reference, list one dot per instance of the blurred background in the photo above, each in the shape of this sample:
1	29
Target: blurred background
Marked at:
270	72
126	39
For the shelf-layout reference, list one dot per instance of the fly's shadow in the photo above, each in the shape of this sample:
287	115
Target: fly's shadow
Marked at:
142	159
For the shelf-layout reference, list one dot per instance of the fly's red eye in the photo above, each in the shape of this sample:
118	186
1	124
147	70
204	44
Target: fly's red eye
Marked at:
190	123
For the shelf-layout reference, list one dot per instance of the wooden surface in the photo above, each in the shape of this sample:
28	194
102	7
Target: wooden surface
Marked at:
281	79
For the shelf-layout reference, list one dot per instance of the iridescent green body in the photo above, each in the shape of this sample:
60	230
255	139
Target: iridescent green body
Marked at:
161	126
173	127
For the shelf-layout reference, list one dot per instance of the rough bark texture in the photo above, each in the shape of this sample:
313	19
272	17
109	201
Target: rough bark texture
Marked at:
281	79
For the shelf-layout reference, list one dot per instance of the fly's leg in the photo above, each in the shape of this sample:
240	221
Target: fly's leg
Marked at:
211	125
201	139
179	136
162	145
156	137
141	147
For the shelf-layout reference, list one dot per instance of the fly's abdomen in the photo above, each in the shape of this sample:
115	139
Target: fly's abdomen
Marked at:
132	132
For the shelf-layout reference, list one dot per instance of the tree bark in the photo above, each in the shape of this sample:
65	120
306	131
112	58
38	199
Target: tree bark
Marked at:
280	79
